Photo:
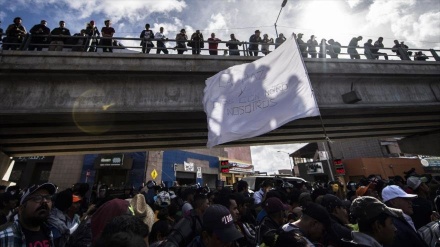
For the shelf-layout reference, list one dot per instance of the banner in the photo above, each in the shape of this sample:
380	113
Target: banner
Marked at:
251	99
188	167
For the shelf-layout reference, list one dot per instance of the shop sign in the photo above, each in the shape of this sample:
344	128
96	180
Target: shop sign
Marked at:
431	164
23	159
323	155
315	168
113	160
199	172
239	167
188	167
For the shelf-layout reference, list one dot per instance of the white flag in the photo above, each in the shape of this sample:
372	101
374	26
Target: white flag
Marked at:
251	99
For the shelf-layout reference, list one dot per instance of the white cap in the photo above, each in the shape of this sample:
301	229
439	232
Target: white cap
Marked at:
415	182
393	191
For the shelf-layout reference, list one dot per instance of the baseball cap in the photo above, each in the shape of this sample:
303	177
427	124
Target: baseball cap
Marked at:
330	202
273	205
163	199
151	184
367	207
393	191
363	189
318	213
218	219
31	190
415	182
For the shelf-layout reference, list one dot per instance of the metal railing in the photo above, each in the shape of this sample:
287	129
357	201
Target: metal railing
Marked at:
134	45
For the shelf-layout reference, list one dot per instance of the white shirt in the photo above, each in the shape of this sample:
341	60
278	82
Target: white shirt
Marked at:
409	220
258	196
159	35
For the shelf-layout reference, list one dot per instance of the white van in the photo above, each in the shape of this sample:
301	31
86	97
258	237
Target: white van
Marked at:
255	181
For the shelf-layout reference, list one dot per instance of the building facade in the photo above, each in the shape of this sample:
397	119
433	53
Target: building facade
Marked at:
350	160
184	167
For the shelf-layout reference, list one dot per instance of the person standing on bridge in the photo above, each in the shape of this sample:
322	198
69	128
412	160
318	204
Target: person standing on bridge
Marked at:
213	44
233	46
279	40
58	37
334	48
196	42
108	33
368	47
147	35
161	39
323	49
39	30
352	48
302	45
376	52
93	33
15	34
254	40
181	39
311	46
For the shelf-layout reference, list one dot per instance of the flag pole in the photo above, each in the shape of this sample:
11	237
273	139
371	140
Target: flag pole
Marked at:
326	137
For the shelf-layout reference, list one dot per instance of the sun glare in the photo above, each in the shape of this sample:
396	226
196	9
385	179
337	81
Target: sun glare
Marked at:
324	18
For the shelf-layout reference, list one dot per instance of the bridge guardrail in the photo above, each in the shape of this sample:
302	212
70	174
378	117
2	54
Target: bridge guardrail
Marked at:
93	43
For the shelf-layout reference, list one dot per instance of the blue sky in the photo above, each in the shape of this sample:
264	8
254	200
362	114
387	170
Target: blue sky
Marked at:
416	22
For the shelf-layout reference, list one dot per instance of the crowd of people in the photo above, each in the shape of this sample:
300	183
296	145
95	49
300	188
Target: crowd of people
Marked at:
372	212
90	38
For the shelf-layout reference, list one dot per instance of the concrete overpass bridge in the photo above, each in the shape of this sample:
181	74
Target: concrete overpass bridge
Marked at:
58	103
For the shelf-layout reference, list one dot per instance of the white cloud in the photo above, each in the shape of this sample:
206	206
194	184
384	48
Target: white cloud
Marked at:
426	28
407	21
389	11
129	10
218	21
268	159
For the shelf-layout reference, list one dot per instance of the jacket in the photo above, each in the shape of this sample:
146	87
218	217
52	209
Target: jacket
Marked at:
267	231
13	236
406	236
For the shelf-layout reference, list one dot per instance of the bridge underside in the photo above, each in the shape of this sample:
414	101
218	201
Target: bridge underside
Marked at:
67	103
62	134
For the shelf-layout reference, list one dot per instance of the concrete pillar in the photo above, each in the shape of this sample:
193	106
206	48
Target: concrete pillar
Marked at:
4	165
